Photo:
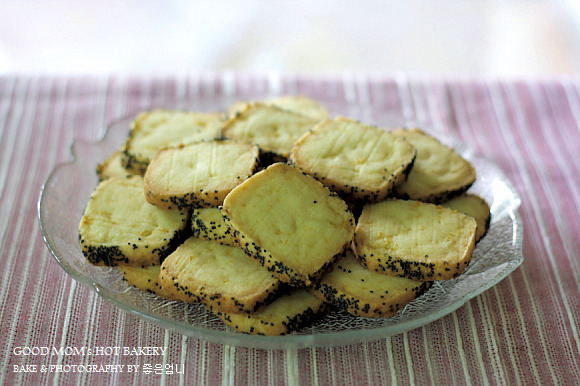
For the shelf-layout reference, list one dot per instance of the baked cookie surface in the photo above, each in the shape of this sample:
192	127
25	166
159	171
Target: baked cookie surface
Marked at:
474	206
273	129
119	226
356	160
294	309
112	167
154	130
220	276
208	223
296	103
289	222
414	239
363	292
145	279
439	172
199	174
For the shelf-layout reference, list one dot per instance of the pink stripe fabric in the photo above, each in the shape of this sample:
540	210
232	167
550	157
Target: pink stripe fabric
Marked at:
524	330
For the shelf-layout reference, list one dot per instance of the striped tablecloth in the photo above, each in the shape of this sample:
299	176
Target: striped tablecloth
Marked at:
524	330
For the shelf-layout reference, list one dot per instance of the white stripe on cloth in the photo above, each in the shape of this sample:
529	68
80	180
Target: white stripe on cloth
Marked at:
91	315
391	360
427	353
65	328
182	359
314	365
409	358
292	374
228	363
202	362
547	105
15	129
476	344
460	348
573	100
163	379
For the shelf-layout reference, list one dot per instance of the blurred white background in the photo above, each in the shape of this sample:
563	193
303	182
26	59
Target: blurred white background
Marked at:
514	37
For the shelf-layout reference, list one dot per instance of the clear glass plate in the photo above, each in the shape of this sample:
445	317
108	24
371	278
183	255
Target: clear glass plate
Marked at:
69	186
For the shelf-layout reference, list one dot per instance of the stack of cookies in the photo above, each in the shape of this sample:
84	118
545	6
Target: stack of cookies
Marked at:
273	213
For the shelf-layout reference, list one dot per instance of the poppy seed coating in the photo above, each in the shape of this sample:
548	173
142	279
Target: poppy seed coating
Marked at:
154	130
279	224
219	276
119	227
294	309
357	161
362	292
439	172
414	239
199	174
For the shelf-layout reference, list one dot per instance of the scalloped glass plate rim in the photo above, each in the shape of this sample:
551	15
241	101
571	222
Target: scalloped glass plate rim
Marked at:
326	339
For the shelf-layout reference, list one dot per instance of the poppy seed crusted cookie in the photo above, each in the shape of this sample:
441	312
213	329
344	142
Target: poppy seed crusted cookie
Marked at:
294	309
473	206
209	224
291	223
439	172
220	276
414	239
296	103
357	161
273	129
362	292
145	279
119	226
154	130
199	174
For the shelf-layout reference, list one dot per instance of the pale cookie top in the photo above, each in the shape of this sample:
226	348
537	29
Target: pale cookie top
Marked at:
295	103
112	167
290	311
273	129
438	172
119	214
291	215
415	233
209	269
475	207
348	156
154	130
145	278
365	292
349	277
119	226
201	172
